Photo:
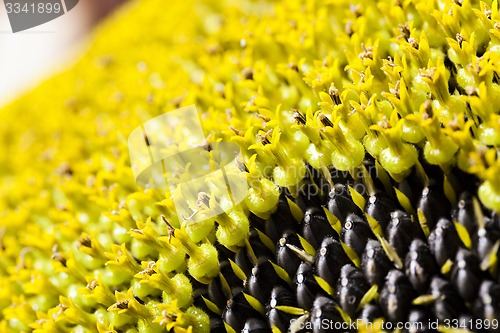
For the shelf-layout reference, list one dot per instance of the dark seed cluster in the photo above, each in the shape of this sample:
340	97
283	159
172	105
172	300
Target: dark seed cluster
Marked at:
398	252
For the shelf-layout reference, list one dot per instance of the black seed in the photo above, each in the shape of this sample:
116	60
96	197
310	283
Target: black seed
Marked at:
262	252
351	288
380	207
243	261
285	257
316	227
262	281
324	315
495	220
200	290
375	264
396	297
340	203
255	325
484	240
420	266
232	280
469	290
448	305
444	241
215	293
224	252
463	213
306	286
420	320
341	177
330	259
467	321
411	188
310	195
257	222
401	231
466	274
434	172
487	304
237	311
369	313
319	179
356	232
217	325
281	221
280	296
434	205
373	173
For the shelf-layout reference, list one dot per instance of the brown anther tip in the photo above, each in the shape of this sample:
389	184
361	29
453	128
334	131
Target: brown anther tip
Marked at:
263	138
460	39
264	118
362	77
65	170
92	285
85	241
428	73
203	199
478	67
355	10
58	257
428	113
471	91
293	66
121	305
487	13
334	94
177	101
384	123
325	61
146	139
324	120
367	52
299	117
148	271
236	131
395	90
390	62
213	49
247	73
413	42
405	31
348	28
453	123
251	101
62	307
171	230
482	150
